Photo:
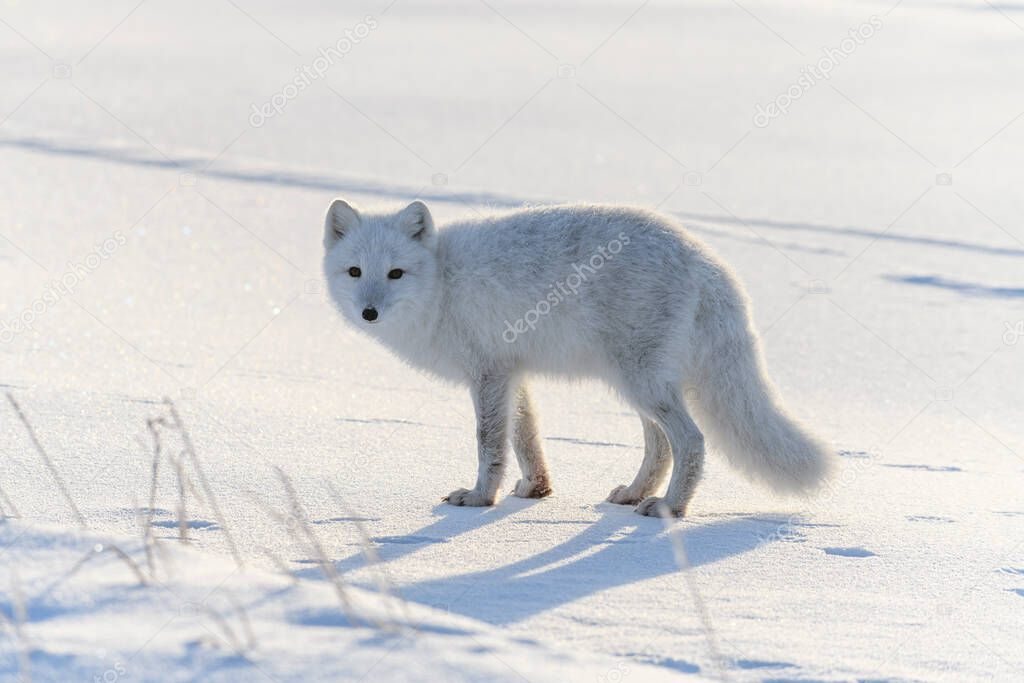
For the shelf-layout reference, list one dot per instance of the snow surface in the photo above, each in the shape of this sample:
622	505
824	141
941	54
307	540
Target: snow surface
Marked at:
208	620
877	225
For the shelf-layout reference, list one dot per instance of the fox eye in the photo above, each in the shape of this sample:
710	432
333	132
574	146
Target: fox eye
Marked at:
354	271
395	273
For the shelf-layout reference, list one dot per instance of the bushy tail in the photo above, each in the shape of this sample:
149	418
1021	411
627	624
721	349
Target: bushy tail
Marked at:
738	409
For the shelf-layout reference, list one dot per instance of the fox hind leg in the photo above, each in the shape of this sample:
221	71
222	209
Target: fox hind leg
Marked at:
667	410
657	457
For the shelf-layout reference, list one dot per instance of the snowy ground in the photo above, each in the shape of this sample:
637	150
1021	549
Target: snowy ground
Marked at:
877	225
199	618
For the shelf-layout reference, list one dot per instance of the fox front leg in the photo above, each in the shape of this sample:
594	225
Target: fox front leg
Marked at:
491	400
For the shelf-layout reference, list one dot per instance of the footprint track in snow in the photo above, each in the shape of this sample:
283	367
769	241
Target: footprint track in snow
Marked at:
929	518
190	524
761	664
924	468
409	540
849	552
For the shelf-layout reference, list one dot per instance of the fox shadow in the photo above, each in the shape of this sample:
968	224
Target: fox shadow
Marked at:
450	522
618	549
629	548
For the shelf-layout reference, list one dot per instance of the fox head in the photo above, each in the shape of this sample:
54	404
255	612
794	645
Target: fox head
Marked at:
380	267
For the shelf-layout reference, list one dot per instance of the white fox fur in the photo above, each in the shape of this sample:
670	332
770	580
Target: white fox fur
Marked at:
615	293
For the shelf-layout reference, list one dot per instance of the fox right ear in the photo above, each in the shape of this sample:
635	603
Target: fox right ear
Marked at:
341	218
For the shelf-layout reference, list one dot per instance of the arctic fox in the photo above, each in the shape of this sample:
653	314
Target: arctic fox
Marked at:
615	293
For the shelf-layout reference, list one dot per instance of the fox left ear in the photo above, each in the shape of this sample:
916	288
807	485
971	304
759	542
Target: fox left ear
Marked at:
415	220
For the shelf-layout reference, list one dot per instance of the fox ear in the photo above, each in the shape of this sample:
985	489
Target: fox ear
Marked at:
415	220
341	218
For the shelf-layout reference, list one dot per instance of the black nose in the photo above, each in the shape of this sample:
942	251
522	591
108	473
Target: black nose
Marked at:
370	314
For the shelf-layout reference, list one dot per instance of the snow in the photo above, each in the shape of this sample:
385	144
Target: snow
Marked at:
209	620
876	225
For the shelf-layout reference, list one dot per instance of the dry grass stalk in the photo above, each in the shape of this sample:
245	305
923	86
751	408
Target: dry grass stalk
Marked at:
226	631
152	427
182	476
46	459
683	562
384	583
204	482
301	520
243	617
8	504
96	551
279	563
147	537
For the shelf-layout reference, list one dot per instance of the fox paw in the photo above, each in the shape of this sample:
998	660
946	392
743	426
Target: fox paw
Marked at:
528	488
623	495
467	497
653	506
